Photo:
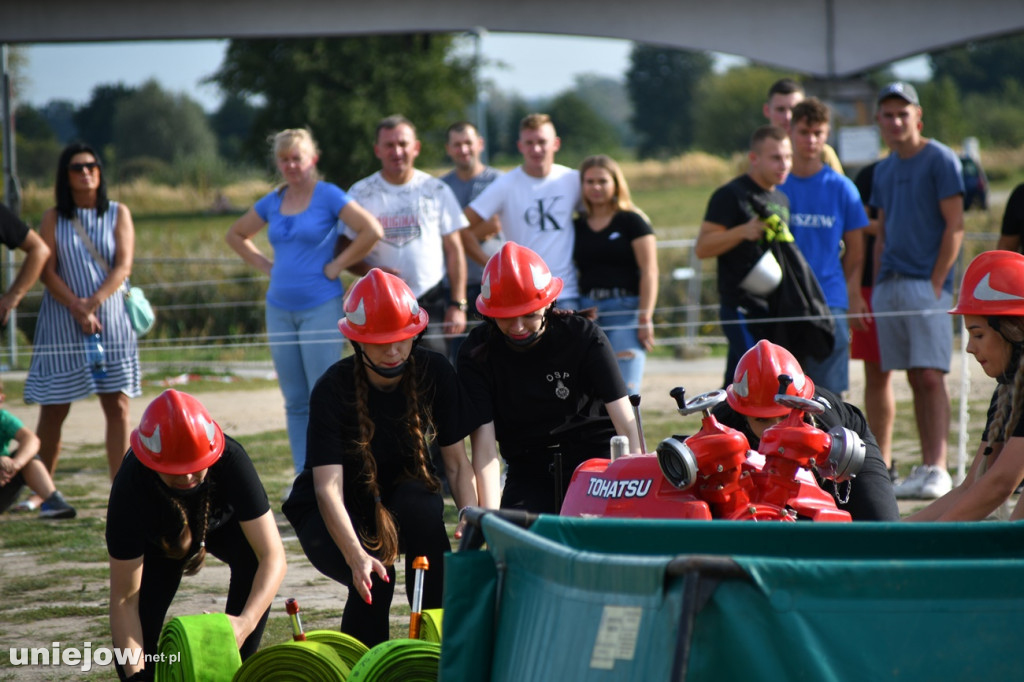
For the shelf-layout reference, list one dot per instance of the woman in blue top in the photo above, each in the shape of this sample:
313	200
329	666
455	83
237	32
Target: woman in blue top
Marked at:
304	296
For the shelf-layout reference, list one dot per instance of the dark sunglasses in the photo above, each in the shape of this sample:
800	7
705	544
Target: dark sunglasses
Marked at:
79	167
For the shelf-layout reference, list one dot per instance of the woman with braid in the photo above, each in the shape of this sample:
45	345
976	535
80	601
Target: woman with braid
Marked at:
185	489
368	491
992	303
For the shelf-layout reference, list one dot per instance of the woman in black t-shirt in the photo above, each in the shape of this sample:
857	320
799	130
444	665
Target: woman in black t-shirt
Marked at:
993	309
368	490
544	384
185	489
616	255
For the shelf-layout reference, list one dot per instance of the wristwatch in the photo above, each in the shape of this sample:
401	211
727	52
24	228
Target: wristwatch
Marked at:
461	304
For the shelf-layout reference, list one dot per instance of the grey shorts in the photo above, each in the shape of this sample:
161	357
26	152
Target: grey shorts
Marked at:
915	331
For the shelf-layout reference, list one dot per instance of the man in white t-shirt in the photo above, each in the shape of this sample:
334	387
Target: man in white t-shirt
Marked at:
421	219
535	202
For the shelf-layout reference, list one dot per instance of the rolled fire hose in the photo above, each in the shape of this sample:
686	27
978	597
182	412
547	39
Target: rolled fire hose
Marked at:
299	661
430	625
348	648
199	648
399	660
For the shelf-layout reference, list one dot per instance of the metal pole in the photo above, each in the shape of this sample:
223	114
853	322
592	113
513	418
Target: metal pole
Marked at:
481	97
693	302
12	194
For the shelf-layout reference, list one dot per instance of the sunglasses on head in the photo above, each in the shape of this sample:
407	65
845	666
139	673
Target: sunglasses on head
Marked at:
79	167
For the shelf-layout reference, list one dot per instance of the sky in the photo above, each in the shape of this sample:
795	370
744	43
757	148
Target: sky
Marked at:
71	71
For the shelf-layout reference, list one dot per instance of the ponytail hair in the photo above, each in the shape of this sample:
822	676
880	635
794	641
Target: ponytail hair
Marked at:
178	547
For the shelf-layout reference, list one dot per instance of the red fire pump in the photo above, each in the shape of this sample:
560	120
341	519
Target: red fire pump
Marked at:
713	474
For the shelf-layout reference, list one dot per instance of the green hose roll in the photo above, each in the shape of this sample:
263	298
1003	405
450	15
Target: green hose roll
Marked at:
399	660
348	648
294	662
198	648
430	625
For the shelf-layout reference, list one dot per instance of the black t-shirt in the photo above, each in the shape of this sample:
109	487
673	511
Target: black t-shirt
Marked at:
1013	217
732	205
563	383
12	230
605	259
864	182
334	430
138	511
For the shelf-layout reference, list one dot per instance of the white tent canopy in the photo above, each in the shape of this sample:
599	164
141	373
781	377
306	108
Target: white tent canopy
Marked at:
825	38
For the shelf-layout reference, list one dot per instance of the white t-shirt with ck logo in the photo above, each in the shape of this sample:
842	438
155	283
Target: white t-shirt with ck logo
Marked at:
537	213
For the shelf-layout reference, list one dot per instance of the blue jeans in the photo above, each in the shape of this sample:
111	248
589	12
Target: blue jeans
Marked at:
618	318
303	344
833	372
734	326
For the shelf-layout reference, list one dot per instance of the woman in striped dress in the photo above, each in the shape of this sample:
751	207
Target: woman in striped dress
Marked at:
83	298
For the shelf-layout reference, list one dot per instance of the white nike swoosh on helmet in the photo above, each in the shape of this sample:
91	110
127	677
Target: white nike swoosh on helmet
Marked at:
540	278
414	306
740	387
211	429
152	443
485	287
985	292
358	316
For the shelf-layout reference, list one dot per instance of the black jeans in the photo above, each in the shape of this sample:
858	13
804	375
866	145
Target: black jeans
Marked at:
162	575
419	515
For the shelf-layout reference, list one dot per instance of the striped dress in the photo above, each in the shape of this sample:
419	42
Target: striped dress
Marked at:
59	372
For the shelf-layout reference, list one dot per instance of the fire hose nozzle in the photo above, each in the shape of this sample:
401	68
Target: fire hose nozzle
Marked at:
292	607
420	565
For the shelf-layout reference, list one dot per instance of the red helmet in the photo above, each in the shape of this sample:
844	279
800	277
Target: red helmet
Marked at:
380	308
993	285
756	381
516	282
177	435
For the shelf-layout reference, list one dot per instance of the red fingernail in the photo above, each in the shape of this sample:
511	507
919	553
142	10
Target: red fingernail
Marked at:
369	599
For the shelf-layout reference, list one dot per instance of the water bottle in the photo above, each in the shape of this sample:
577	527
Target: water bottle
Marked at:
95	357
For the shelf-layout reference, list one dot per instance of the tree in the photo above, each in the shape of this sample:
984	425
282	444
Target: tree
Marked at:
609	99
37	146
662	85
232	123
728	108
982	67
504	112
582	131
60	114
95	121
155	123
341	87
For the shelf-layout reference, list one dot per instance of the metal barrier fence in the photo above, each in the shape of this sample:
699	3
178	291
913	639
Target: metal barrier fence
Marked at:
211	304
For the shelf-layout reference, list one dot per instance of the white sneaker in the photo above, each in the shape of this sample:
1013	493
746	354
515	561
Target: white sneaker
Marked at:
937	482
910	487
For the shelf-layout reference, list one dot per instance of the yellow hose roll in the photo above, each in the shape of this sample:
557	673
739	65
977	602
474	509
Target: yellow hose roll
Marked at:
199	648
430	626
294	662
346	646
399	660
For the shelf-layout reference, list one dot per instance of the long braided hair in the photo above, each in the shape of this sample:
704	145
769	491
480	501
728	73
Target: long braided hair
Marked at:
177	547
385	541
1009	393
